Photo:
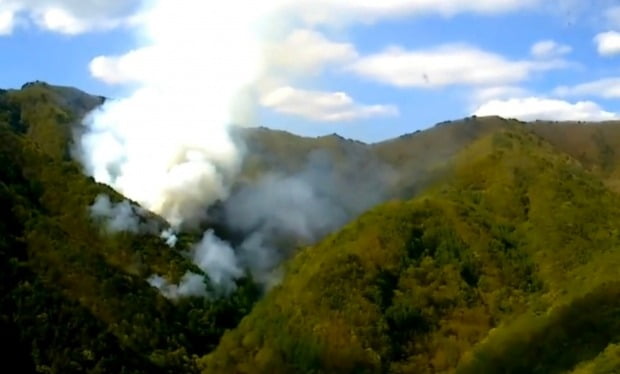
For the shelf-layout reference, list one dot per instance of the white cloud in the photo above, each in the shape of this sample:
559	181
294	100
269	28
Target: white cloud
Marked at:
346	11
606	88
134	66
7	22
77	16
67	16
538	108
608	43
322	106
549	49
308	51
453	64
485	94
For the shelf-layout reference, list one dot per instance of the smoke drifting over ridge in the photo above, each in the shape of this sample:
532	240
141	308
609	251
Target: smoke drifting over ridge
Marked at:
168	146
280	212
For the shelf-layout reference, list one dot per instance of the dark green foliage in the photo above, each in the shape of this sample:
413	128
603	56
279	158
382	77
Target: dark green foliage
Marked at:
74	298
554	343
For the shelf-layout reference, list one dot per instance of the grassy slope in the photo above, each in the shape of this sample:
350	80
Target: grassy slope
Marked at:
482	274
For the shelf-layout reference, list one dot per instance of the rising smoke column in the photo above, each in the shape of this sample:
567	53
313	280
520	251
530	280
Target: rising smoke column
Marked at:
167	144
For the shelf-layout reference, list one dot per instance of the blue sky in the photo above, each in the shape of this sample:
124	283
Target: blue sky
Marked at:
378	71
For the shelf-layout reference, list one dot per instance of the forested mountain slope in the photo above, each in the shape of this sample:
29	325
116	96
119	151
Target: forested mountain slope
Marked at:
497	252
508	268
74	298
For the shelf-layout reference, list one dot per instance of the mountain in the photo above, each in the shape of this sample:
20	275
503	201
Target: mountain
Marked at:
479	245
74	297
506	268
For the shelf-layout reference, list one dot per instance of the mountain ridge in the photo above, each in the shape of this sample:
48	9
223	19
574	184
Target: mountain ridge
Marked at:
492	236
482	271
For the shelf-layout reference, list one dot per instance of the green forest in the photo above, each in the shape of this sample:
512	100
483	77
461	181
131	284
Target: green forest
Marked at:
497	252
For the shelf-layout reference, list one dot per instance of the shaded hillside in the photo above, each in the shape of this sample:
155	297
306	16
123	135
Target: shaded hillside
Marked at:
73	297
508	268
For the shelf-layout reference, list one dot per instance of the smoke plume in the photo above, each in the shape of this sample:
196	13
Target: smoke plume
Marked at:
168	145
280	212
191	285
169	237
217	259
121	217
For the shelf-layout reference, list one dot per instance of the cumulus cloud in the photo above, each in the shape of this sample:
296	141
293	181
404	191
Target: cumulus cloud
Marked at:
607	88
608	43
68	16
7	21
454	64
538	108
549	49
308	51
302	51
344	11
322	106
485	94
77	16
131	67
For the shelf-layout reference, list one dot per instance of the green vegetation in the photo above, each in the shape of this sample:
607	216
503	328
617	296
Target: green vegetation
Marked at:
499	254
509	268
72	297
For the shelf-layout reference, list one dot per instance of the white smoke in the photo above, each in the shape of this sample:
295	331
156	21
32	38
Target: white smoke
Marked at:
167	145
191	285
169	237
120	217
217	259
214	257
280	212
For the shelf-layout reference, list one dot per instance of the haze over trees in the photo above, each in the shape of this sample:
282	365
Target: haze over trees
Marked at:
486	246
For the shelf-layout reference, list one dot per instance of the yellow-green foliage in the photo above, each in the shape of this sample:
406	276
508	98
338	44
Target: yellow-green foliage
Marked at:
449	279
594	145
508	263
608	362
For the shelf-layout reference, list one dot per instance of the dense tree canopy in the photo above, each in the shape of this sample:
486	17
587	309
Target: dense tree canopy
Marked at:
498	254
